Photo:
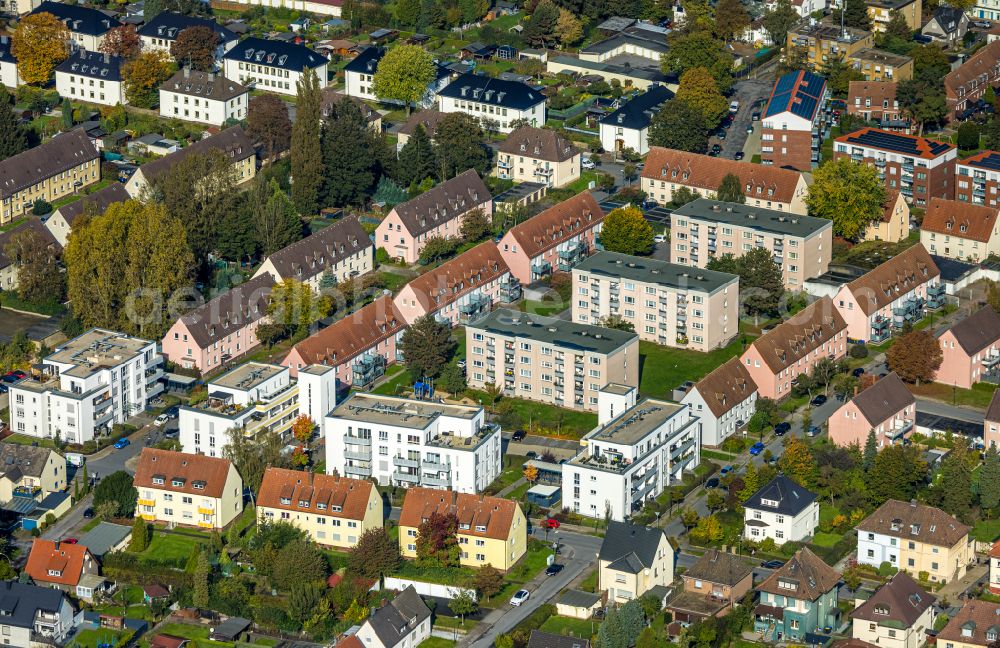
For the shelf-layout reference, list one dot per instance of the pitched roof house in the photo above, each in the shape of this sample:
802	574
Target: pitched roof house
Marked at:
58	564
960	230
967	83
352	343
798	599
438	212
405	621
947	25
60	223
991	422
891	294
491	530
341	252
428	119
540	155
971	349
32	469
771	187
221	329
34	613
724	400
887	408
539	639
781	510
794	346
472	282
204	491
9	270
87	26
976	624
557	238
712	586
900	607
634	560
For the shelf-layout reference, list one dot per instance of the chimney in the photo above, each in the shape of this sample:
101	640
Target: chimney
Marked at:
187	72
107	58
56	543
211	76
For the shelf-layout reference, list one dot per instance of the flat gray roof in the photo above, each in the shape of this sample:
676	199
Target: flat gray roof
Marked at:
654	271
247	376
104	536
764	220
401	412
550	330
617	388
636	422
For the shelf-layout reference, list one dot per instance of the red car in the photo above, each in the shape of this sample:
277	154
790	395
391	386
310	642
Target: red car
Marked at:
70	540
551	523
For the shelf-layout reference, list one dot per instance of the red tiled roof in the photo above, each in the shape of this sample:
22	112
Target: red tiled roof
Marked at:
894	278
557	224
495	514
706	172
211	472
800	334
951	216
979	65
340	497
446	283
49	555
352	335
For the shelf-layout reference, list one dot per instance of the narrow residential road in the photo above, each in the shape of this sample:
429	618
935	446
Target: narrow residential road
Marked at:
577	553
950	411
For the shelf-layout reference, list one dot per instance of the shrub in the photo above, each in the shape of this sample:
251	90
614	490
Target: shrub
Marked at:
859	351
41	208
886	570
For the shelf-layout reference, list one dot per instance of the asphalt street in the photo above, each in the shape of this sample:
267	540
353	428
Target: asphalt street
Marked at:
577	553
747	92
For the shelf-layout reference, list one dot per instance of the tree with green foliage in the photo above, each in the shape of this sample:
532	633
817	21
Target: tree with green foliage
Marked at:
40	278
698	89
12	136
459	145
404	74
751	483
677	125
475	226
140	535
427	346
295	305
989	481
117	488
871	451
306	148
694	49
839	75
463	605
897	474
253	455
625	230
408	12
897	27
348	156
143	76
488	581
276	224
200	579
375	556
731	19
621	626
731	189
417	160
856	15
761	282
540	27
848	193
779	21
968	136
798	462
304	598
954	487
683	196
452	380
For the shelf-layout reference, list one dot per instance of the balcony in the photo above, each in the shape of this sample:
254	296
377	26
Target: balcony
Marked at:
681	449
368	368
641	492
544	172
205	525
358	455
936	296
142	501
900	430
435	482
356	440
204	510
478	304
540	269
405	462
571	255
504	163
435	465
359	470
410	478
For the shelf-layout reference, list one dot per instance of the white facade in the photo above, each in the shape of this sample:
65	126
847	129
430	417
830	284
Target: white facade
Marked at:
535	115
84	87
715	430
267	77
48	628
877	548
91	383
162	43
182	100
637	452
407	442
630	138
252	397
8	68
771	518
307	6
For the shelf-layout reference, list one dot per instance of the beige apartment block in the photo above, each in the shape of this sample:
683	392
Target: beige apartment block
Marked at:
666	303
539	155
704	229
187	489
548	359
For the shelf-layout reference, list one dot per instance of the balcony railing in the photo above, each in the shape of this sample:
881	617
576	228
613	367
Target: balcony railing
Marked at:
405	477
356	440
435	482
363	471
358	455
405	462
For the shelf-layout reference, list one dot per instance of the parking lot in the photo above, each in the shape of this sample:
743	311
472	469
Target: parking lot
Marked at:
751	93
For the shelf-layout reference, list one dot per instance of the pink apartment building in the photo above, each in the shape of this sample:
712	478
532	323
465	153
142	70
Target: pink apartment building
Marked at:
462	289
890	295
793	347
556	239
971	350
221	329
359	347
437	212
887	407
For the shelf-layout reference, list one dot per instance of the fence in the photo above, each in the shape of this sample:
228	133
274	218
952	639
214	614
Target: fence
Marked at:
425	589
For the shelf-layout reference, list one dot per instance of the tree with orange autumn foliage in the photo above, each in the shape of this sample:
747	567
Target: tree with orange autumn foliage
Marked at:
122	41
302	428
40	43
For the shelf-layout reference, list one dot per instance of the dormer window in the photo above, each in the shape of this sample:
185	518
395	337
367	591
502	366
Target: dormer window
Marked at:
55	572
336	509
915	529
158	481
287	501
769	502
787	584
198	484
320	506
177	482
481	528
882	609
303	503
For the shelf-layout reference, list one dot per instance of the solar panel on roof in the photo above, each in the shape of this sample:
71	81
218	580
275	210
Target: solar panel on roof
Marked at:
786	83
991	161
805	107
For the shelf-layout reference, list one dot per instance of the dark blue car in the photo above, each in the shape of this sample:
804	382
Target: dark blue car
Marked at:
756	448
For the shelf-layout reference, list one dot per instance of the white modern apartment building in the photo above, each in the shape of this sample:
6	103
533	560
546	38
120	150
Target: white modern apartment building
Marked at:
666	303
274	66
254	397
203	97
408	442
87	385
548	359
638	450
704	229
782	511
502	101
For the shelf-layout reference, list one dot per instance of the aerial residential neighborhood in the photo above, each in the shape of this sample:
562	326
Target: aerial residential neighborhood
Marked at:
507	324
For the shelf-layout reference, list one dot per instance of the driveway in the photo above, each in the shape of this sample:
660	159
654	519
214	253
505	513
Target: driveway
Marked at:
577	553
747	92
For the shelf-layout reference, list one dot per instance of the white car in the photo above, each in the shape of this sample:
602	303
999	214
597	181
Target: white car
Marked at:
161	420
520	596
587	163
660	238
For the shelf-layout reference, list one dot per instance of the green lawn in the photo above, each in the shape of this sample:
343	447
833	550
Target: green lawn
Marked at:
14	223
583	182
589	584
568	626
548	420
979	396
509	475
198	635
518	493
715	454
986	530
338	559
393	281
443	575
664	368
437	642
91	638
397	378
453	622
822	539
170	549
24	439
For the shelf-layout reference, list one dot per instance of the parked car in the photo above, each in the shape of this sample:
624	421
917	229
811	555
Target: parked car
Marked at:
70	540
716	149
518	435
121	443
712	483
721	134
750	128
773	564
982	24
813	431
587	163
857	373
755	116
660	238
161	420
738	156
818	400
782	428
726	470
520	596
734	106
531	454
756	448
88	513
553	569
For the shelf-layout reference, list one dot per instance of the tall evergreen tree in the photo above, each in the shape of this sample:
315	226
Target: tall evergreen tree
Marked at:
417	160
955	483
348	157
307	154
871	451
12	137
460	144
856	15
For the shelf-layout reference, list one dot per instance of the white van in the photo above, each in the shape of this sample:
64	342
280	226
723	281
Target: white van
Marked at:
734	106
